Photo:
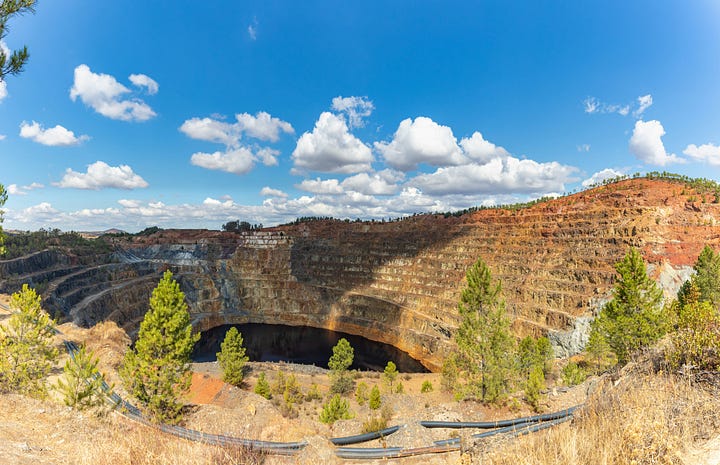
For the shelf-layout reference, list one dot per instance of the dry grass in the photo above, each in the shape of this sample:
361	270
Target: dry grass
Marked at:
644	418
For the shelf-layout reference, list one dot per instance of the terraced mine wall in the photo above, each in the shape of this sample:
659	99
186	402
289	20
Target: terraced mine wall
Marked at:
399	282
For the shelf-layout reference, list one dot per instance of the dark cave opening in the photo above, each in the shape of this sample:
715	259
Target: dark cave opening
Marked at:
304	344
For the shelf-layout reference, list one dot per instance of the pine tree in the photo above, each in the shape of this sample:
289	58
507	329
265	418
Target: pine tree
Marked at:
157	369
707	276
232	357
361	393
82	387
633	318
13	63
27	353
335	409
486	348
339	362
262	388
390	374
375	400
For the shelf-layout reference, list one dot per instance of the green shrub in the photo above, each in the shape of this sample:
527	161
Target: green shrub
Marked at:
426	387
399	389
313	393
335	409
535	383
361	393
375	400
374	424
262	387
81	384
573	374
696	343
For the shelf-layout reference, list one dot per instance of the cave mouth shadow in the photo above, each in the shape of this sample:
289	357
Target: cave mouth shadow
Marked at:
305	345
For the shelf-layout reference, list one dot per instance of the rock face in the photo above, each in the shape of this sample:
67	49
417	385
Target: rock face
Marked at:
397	282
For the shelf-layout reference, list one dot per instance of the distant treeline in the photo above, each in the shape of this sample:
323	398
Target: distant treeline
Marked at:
19	244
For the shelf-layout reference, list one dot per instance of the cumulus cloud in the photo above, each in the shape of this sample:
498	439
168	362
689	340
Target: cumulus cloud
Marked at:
238	158
104	94
501	175
478	149
3	90
421	141
56	136
14	189
321	186
707	153
646	144
356	109
331	148
238	161
600	176
100	175
383	183
262	126
210	130
270	192
2	136
142	80
583	148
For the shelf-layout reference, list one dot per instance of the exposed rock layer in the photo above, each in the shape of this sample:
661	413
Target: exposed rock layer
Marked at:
396	282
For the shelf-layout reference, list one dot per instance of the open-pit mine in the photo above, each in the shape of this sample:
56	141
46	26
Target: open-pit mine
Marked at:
396	282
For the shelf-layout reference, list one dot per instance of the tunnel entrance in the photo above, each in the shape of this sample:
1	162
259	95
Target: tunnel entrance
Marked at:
303	344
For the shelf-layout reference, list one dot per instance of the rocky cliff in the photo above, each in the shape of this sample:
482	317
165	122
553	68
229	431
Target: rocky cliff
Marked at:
396	282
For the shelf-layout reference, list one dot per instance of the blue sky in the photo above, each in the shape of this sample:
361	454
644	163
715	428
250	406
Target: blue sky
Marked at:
184	114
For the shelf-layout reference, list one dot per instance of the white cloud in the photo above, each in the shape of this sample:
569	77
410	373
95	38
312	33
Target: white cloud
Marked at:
501	175
14	189
237	161
583	148
3	90
421	141
56	136
142	80
644	102
318	186
356	109
2	136
104	94
252	29
593	105
270	192
383	183
210	130
600	176
707	153
481	150
262	126
129	203
331	148
100	175
646	144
